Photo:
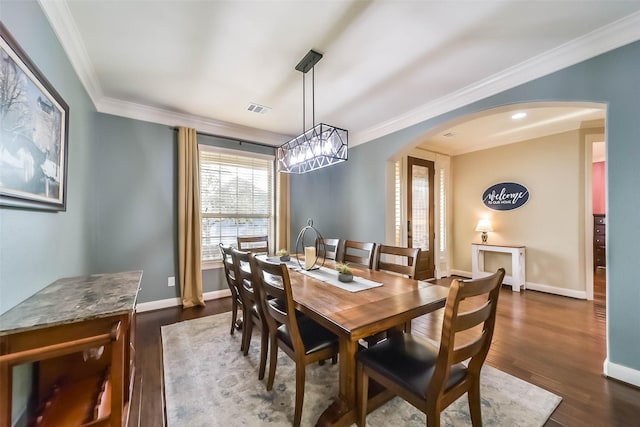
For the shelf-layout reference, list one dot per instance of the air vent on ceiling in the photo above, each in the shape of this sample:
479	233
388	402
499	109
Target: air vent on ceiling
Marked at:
257	108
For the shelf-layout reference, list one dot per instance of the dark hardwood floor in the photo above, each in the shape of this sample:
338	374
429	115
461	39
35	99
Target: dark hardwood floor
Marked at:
554	342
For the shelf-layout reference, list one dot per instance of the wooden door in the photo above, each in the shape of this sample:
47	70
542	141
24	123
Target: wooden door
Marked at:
420	213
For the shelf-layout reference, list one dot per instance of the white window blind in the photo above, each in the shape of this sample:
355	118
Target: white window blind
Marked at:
236	198
398	202
443	212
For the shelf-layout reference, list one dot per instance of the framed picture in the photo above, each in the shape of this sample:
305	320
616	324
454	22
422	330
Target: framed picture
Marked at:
34	123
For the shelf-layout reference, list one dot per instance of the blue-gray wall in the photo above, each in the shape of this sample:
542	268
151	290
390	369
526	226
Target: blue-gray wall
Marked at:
345	200
134	213
348	200
134	205
37	248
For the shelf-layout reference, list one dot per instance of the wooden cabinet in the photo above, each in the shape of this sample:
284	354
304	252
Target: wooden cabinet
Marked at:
599	240
78	333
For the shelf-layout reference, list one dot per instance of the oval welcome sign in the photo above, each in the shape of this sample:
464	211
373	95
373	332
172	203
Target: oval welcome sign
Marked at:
505	196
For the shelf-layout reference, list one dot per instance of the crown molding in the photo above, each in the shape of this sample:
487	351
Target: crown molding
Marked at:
63	24
604	39
145	113
612	36
61	19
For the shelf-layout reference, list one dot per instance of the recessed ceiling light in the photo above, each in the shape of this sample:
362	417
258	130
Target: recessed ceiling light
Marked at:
518	116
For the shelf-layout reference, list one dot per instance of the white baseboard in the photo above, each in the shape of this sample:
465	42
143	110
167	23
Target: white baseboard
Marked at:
460	273
222	293
174	302
572	293
157	305
621	373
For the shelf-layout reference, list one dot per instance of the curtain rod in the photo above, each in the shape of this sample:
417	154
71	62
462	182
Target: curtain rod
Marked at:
239	141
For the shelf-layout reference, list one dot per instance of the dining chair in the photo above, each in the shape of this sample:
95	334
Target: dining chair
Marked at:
302	339
331	248
405	259
358	253
229	274
251	308
255	244
430	377
398	260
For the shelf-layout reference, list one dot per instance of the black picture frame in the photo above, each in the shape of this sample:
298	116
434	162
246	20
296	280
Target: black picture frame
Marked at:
34	140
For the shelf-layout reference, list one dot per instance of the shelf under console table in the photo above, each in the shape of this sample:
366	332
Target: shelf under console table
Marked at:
517	278
79	334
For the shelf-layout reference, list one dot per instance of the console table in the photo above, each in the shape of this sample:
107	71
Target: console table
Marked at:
79	334
517	278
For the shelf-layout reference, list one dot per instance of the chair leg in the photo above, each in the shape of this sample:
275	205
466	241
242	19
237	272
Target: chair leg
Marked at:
264	344
273	360
334	360
362	395
246	334
433	415
300	378
474	403
234	315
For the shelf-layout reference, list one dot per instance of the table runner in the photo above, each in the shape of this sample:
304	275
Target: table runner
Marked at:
330	277
292	263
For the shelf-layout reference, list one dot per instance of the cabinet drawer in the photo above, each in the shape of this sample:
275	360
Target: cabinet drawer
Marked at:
599	257
599	220
599	240
599	230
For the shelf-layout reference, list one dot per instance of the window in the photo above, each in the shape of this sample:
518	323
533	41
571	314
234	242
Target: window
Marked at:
236	197
443	212
398	202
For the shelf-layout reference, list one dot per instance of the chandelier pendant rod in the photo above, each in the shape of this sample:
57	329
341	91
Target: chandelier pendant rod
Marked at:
313	96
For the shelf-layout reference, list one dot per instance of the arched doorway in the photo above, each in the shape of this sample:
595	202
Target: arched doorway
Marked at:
574	126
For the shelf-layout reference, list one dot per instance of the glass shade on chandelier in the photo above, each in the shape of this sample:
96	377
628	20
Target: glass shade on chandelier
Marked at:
323	145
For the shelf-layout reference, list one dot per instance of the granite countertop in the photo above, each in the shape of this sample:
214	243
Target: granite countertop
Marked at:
74	299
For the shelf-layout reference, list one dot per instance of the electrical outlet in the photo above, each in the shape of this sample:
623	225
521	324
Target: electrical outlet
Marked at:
171	281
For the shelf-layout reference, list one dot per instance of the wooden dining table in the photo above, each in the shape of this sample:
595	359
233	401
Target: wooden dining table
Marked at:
356	315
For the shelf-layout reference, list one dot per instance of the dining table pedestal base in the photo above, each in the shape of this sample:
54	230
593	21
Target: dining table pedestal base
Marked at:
339	414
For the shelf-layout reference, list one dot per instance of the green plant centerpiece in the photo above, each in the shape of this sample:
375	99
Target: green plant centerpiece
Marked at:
284	255
344	272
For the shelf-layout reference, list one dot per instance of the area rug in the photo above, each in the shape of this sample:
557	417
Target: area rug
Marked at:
208	382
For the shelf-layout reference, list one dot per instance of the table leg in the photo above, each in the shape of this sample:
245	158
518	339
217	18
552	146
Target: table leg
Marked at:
342	411
475	262
348	351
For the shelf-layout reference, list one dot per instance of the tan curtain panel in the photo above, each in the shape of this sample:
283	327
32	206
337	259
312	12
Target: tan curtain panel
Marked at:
283	226
189	250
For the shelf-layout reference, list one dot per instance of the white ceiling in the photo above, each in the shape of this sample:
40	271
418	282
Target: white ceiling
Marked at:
497	127
387	64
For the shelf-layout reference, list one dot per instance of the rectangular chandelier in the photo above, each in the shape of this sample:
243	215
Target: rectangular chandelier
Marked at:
320	146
